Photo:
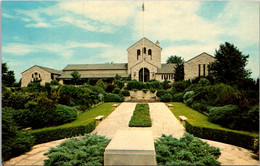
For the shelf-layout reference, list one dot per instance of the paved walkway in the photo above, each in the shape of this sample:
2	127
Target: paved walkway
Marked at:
163	122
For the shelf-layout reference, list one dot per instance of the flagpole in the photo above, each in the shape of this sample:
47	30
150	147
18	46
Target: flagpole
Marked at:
143	39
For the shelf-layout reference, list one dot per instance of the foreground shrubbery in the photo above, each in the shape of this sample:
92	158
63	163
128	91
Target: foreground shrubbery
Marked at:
141	116
84	150
188	150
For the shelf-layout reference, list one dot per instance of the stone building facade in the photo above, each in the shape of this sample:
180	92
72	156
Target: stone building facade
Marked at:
144	64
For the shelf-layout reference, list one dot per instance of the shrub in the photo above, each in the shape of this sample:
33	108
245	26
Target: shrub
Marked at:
54	82
116	91
64	114
84	150
253	118
188	95
110	88
14	142
179	86
178	97
166	85
161	92
101	84
135	90
144	90
204	82
153	84
110	97
134	85
119	84
222	115
125	93
152	90
22	117
166	98
141	116
229	137
199	107
100	97
187	150
189	101
55	133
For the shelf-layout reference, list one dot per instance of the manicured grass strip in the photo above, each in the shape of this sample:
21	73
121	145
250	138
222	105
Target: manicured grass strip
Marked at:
198	125
141	116
84	123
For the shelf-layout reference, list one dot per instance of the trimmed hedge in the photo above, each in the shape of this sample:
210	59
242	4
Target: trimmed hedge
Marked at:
178	97
55	133
110	97
141	116
233	138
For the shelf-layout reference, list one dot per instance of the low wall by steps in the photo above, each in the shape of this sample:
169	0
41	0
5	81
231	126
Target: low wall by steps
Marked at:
140	95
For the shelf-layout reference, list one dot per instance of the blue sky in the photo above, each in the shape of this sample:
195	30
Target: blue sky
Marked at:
54	34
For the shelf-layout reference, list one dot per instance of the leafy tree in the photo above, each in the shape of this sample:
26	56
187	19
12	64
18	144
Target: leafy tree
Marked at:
229	66
179	68
101	84
8	78
175	59
75	77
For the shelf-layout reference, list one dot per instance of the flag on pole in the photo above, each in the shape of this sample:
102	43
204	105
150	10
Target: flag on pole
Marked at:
143	7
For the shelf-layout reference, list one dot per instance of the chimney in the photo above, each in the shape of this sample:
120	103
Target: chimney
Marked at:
157	43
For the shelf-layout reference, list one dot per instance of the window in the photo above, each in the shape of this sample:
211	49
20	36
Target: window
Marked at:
172	76
204	68
199	70
208	69
162	77
138	53
149	52
144	50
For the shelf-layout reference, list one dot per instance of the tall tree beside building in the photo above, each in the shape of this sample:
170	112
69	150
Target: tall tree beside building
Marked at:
75	77
179	68
8	78
229	66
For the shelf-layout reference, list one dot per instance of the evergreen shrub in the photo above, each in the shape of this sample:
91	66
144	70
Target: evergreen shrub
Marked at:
178	97
116	91
222	115
110	97
188	95
64	114
187	150
141	116
166	98
179	86
144	90
161	92
152	90
125	93
84	150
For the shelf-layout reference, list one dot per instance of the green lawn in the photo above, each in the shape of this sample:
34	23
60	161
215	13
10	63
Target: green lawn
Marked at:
199	119
86	117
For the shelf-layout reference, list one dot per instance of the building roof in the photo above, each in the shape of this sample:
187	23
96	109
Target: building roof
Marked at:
200	55
145	39
46	69
96	75
117	66
166	69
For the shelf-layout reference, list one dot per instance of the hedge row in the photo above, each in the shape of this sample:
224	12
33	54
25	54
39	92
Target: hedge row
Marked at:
229	137
50	134
141	116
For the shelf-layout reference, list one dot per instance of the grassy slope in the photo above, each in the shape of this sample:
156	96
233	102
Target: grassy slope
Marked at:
85	117
198	119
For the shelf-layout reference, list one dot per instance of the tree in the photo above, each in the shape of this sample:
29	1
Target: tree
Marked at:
75	77
101	84
8	77
175	59
179	68
229	66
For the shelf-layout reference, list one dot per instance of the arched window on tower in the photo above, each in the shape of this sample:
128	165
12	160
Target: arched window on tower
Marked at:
138	53
150	53
144	50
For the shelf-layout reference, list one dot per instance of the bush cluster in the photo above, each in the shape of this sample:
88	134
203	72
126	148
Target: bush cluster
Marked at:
152	84
125	92
110	97
187	150
178	97
84	150
141	116
166	98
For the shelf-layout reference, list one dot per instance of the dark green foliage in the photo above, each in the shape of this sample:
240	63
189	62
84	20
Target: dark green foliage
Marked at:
144	90
14	142
64	114
8	78
35	86
75	77
179	72
166	84
134	85
161	92
187	150
189	101
141	116
22	117
166	98
152	90
101	84
125	93
253	118
110	88
222	115
204	82
188	95
110	97
55	133
153	84
116	91
229	137
200	107
54	82
229	67
175	59
16	100
179	86
178	97
119	84
84	150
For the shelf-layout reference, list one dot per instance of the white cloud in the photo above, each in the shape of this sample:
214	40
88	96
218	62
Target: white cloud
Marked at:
65	50
7	15
39	25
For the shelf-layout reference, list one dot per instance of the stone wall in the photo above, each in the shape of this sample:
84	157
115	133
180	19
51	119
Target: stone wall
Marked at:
141	95
28	75
191	67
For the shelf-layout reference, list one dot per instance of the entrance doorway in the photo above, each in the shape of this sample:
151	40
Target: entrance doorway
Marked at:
146	75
